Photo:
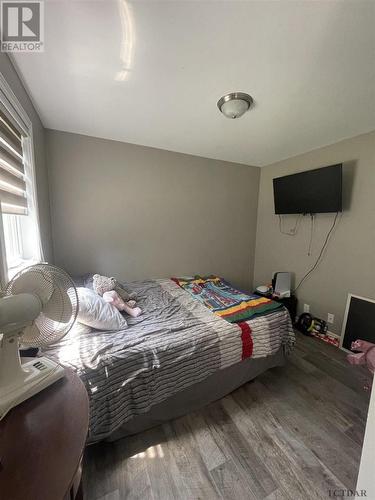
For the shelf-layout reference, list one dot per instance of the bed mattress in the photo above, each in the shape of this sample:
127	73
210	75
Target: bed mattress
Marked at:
215	387
174	345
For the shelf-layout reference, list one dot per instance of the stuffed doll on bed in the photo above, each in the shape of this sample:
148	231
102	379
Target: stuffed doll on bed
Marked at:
112	292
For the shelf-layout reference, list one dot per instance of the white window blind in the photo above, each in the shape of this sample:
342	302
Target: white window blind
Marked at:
13	196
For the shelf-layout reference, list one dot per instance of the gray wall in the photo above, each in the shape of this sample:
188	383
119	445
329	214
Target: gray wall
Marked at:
41	174
349	262
136	212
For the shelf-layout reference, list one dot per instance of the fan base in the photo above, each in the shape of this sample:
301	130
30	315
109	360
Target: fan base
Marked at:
38	374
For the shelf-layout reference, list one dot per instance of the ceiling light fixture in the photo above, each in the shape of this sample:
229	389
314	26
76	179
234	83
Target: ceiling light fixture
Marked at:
235	104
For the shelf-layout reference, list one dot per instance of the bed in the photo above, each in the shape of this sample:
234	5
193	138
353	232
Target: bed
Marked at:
178	356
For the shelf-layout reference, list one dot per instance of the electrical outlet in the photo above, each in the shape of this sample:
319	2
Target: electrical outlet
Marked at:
306	308
330	318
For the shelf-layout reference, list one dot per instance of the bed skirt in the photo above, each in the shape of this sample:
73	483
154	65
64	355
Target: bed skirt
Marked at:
199	395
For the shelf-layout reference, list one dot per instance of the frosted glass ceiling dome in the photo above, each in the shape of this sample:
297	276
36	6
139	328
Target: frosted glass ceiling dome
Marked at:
235	104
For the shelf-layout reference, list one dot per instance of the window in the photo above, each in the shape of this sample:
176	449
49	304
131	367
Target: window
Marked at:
13	240
19	227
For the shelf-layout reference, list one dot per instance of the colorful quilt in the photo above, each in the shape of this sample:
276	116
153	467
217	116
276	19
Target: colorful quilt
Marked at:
224	300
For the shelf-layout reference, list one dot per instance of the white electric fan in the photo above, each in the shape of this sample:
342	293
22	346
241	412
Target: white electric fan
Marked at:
38	308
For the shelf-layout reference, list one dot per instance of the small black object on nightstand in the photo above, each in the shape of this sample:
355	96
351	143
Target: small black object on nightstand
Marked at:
29	352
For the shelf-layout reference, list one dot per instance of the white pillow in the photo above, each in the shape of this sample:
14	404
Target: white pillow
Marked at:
94	311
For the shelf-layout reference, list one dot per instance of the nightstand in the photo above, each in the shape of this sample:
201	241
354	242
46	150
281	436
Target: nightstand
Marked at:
42	442
289	302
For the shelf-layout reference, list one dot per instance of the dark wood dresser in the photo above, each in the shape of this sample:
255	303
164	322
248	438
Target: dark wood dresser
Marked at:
42	442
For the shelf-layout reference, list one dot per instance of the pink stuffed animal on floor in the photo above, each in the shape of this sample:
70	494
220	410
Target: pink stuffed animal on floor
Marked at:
366	356
114	298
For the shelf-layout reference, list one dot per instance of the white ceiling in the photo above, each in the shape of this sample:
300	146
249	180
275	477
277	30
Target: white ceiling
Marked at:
151	72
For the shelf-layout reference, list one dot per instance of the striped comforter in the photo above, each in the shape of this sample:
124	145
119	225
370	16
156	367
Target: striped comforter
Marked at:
175	343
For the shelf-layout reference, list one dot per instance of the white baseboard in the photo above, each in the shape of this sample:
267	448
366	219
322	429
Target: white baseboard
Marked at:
331	334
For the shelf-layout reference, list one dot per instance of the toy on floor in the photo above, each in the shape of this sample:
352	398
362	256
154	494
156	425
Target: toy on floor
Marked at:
115	294
365	356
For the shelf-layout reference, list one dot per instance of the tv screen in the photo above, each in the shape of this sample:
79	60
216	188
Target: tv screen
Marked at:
311	192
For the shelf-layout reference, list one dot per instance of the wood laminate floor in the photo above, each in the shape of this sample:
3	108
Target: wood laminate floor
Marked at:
294	433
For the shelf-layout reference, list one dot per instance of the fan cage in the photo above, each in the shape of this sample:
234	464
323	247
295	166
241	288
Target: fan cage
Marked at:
59	312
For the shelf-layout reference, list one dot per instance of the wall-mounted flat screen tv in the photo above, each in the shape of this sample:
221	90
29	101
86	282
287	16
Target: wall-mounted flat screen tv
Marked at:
310	192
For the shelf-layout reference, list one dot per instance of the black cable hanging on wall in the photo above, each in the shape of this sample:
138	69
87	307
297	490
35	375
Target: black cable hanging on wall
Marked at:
320	253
